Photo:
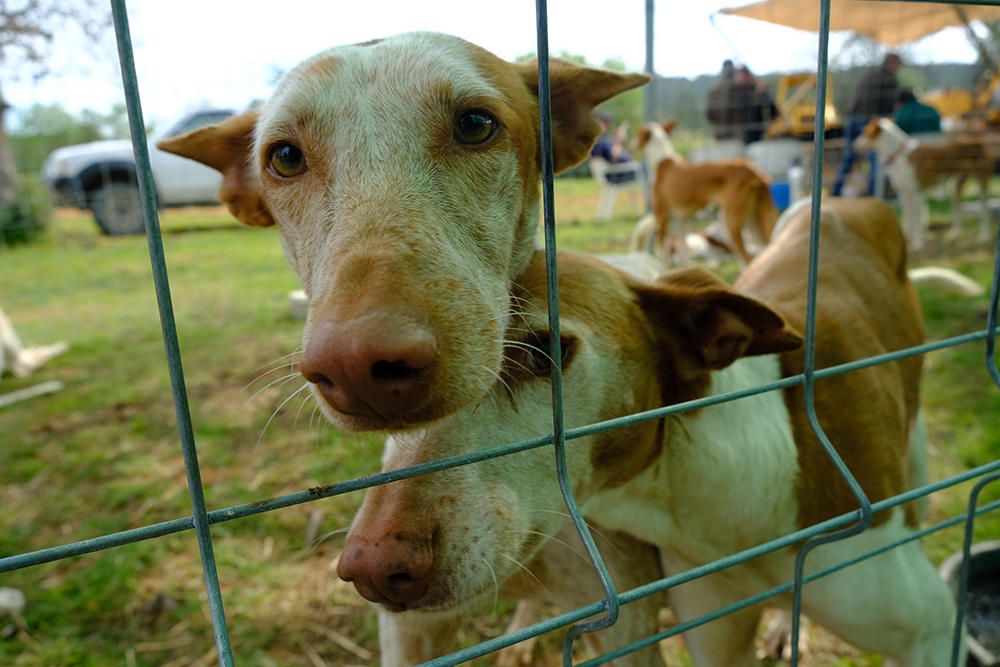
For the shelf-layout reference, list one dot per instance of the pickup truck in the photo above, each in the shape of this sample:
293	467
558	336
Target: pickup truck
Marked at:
101	176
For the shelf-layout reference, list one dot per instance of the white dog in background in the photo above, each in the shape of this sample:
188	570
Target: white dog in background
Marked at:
913	167
19	360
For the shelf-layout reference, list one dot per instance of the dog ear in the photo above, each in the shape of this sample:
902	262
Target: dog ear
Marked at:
669	126
576	90
707	325
642	137
226	148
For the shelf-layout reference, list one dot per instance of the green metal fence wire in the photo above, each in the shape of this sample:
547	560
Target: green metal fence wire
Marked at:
836	528
161	283
555	346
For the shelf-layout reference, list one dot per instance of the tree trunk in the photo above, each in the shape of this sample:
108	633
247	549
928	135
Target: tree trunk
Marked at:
8	167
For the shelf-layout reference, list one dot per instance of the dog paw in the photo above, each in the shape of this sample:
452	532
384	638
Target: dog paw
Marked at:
776	640
521	654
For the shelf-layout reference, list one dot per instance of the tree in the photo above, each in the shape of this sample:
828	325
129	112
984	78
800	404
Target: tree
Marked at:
27	32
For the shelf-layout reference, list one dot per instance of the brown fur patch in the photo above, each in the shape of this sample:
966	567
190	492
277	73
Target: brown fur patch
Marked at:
740	190
866	306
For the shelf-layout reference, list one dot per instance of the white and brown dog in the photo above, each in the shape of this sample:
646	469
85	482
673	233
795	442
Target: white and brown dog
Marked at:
681	189
404	176
912	167
699	485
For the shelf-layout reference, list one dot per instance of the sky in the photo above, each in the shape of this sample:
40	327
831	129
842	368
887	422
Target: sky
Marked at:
192	54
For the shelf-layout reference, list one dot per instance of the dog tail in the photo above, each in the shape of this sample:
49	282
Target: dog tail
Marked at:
643	238
946	278
766	213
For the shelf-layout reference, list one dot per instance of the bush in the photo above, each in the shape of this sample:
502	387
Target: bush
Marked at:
25	219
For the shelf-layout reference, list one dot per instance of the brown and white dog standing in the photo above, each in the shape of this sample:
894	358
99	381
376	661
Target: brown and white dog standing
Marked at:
741	191
913	167
404	177
699	485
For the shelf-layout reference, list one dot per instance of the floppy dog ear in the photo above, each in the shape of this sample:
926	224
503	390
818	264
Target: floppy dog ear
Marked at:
642	137
669	126
576	90
706	325
226	148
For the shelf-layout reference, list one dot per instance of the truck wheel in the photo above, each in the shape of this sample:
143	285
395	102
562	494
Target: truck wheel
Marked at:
117	209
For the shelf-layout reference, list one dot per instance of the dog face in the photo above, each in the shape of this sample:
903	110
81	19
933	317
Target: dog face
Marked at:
441	540
403	174
869	137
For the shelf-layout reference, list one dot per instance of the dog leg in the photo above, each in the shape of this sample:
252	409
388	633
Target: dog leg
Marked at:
409	638
681	256
778	634
985	217
956	209
522	653
895	603
724	642
735	217
565	578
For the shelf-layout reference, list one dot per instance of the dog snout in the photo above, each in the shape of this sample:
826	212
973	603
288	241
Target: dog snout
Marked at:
393	570
376	367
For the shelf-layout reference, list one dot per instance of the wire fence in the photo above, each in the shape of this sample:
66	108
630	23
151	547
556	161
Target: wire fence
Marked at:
836	528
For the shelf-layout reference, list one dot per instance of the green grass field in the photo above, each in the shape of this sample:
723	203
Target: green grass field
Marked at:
102	455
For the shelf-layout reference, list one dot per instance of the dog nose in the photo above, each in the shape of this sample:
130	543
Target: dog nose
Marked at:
393	570
376	366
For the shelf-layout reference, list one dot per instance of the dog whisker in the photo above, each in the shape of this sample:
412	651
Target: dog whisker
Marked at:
591	527
263	375
496	583
529	572
279	360
305	401
295	393
555	539
280	381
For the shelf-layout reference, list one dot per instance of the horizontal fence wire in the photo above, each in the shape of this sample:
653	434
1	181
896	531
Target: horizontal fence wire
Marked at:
201	519
119	538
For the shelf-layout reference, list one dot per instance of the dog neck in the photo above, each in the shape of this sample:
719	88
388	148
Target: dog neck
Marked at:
891	141
746	447
658	148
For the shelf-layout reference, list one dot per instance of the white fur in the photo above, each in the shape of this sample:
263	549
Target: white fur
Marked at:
947	279
658	148
893	146
745	447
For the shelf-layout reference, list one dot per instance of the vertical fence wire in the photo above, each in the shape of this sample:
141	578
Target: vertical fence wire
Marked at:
865	511
202	518
963	585
555	347
161	282
991	315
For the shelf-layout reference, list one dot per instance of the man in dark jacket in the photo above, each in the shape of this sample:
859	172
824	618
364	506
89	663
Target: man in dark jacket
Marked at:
721	112
874	95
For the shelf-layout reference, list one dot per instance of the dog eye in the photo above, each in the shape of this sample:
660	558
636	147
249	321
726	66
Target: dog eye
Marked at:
475	127
286	160
529	358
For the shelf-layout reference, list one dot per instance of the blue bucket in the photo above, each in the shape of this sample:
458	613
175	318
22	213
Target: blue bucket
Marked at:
781	194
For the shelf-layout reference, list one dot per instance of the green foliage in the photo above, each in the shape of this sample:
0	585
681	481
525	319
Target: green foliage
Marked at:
42	128
25	219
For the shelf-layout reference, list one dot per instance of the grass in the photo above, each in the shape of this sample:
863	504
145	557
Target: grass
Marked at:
102	455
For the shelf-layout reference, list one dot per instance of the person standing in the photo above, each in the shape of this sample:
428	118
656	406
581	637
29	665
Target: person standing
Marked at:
721	111
874	95
753	106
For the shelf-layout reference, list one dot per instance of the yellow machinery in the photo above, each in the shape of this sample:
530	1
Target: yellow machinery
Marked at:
795	98
956	103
